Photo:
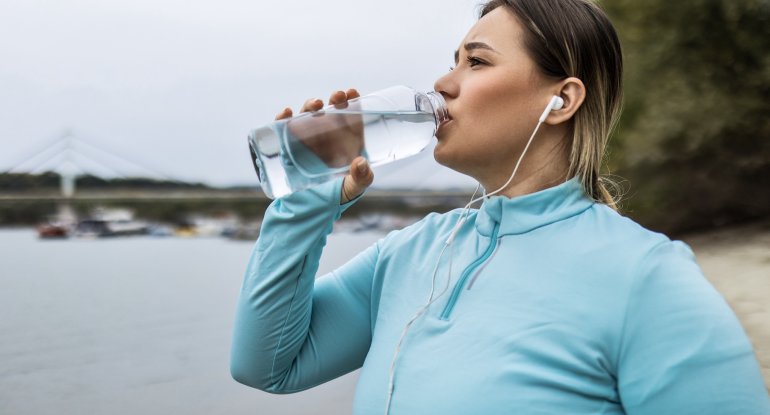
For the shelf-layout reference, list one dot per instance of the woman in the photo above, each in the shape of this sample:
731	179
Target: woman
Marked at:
546	301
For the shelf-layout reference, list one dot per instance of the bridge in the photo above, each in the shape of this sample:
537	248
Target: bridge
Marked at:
422	197
70	156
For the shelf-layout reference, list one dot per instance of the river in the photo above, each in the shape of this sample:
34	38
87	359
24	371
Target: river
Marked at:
143	326
136	326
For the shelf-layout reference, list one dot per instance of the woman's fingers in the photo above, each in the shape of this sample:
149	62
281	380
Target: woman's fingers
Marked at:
286	113
313	104
338	98
352	93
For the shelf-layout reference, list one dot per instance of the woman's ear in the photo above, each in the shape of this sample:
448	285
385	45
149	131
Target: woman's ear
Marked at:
573	92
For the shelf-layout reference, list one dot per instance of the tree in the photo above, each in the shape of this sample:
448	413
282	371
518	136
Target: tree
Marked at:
694	139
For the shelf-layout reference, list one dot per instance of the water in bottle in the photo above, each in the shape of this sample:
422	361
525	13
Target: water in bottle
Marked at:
315	147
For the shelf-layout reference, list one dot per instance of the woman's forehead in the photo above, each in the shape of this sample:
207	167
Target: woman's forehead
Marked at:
498	29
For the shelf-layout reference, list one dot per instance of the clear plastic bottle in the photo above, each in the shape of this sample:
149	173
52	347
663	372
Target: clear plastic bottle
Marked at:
315	147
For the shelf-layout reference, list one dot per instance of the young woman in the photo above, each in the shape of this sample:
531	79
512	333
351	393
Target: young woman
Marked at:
542	301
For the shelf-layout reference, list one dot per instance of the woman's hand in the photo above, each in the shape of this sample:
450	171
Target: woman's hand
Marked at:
335	140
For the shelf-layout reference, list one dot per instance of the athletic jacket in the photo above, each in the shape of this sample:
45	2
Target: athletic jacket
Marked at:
555	305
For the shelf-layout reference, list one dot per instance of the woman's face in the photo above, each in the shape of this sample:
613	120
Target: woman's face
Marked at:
495	95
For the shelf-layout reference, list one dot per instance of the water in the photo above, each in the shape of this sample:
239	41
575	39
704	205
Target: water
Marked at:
135	326
296	153
315	147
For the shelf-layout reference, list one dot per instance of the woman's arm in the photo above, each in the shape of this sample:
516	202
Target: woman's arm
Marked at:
683	350
292	331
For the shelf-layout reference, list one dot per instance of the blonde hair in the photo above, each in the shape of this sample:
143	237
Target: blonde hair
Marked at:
574	38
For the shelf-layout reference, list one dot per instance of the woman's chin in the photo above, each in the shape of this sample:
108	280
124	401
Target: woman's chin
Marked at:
444	157
438	154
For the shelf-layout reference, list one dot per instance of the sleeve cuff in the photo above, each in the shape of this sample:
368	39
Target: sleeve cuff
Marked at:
338	192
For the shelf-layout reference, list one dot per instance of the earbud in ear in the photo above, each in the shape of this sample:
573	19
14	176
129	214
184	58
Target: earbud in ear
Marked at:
556	103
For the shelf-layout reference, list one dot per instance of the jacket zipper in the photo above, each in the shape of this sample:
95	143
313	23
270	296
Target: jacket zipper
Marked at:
467	272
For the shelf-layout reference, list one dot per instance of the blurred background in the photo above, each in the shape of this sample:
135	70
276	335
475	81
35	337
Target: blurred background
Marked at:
128	203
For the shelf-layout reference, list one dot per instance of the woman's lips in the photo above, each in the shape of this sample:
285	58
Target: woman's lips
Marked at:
443	126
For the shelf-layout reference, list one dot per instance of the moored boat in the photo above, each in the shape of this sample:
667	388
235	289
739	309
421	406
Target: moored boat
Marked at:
52	231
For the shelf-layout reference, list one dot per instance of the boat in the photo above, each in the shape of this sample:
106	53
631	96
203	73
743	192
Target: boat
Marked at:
58	225
111	222
53	231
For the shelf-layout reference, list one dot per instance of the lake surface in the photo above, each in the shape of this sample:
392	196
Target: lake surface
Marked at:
136	326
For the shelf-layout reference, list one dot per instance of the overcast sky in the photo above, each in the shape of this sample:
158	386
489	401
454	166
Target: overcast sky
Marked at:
176	85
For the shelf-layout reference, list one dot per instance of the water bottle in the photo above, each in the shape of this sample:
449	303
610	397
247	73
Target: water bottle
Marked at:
315	147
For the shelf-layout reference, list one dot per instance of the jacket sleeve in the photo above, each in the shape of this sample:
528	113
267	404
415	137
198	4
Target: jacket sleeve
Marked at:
683	350
291	331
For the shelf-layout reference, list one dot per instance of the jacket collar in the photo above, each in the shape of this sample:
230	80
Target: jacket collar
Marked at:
524	213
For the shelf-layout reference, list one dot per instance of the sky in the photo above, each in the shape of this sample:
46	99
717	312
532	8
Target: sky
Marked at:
175	86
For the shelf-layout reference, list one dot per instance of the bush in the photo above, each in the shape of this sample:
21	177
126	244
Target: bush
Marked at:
694	139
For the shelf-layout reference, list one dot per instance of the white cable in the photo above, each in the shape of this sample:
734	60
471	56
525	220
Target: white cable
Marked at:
448	242
404	332
515	169
431	300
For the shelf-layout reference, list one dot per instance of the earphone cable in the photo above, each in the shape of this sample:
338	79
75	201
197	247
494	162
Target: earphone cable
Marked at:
448	242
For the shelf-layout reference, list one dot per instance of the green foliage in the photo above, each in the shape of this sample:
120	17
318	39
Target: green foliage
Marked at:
24	182
93	182
694	138
25	213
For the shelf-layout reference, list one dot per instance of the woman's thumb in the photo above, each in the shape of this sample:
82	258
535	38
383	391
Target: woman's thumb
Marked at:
359	177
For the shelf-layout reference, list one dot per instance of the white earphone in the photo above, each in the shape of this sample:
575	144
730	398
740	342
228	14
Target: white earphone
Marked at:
555	104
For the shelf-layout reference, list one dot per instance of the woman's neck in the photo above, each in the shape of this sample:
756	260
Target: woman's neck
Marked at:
544	166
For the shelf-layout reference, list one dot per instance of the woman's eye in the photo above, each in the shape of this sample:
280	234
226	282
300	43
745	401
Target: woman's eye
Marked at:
472	61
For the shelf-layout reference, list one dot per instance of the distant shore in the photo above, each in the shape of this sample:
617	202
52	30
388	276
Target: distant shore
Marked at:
737	262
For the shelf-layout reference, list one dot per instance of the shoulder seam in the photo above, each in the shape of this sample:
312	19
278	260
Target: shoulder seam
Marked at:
637	277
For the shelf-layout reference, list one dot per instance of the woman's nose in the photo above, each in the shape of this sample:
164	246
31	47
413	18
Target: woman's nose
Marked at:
444	85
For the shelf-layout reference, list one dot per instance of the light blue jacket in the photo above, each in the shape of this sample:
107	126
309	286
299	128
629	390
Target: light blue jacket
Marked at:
556	305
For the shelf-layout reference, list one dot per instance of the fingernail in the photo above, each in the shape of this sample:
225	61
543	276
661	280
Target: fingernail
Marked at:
362	166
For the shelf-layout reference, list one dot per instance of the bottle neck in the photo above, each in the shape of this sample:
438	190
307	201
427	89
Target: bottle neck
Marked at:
439	107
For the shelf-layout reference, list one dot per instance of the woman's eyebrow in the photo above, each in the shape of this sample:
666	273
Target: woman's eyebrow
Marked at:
471	46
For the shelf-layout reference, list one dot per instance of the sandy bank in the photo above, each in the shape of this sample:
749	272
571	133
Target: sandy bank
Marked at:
737	262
